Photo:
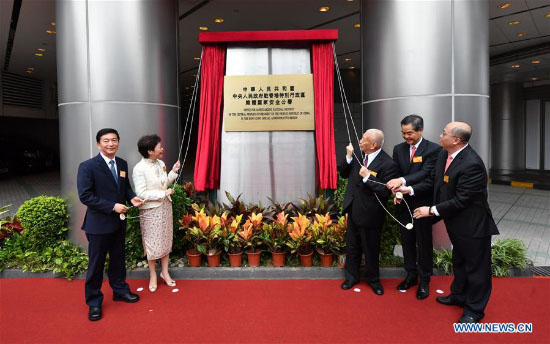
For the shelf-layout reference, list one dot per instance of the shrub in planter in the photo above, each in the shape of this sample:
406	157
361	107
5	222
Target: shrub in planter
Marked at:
505	255
301	235
44	220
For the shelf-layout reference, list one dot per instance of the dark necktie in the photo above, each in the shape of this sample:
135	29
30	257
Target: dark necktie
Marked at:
113	172
366	160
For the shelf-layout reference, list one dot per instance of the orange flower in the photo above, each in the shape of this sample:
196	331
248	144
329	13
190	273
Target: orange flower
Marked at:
256	219
185	221
202	219
235	223
281	218
246	232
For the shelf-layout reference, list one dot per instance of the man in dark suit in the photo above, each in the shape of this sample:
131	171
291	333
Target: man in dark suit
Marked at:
415	159
365	195
459	184
104	188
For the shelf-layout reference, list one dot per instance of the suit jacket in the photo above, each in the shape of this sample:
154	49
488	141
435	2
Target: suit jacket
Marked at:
151	182
415	171
98	190
360	197
460	194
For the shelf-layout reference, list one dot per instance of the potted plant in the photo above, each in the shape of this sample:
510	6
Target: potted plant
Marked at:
301	237
251	237
212	235
275	237
193	235
231	243
324	238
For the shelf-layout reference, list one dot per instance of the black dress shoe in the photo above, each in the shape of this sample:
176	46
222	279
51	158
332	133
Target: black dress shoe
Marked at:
94	313
448	300
377	288
407	283
423	291
347	284
466	319
130	297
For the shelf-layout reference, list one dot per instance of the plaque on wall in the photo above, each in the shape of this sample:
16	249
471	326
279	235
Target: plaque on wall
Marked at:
268	102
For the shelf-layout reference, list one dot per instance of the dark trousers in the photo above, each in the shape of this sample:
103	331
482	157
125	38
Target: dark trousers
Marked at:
98	247
472	281
417	247
362	240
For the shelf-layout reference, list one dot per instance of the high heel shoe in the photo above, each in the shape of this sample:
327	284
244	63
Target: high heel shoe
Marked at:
170	284
153	288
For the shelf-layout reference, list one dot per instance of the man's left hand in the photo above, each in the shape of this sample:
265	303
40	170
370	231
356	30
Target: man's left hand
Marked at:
421	212
136	201
363	172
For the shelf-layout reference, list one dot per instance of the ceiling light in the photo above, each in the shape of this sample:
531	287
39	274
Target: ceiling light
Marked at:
196	58
352	67
50	31
522	34
41	49
218	20
52	23
535	61
547	15
514	22
347	60
357	25
534	79
203	28
505	5
29	71
324	9
30	68
38	54
349	0
515	66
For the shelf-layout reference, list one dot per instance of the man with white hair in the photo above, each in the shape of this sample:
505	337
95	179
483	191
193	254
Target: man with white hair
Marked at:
367	175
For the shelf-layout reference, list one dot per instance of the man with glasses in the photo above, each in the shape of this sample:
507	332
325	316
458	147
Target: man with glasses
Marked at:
459	184
415	159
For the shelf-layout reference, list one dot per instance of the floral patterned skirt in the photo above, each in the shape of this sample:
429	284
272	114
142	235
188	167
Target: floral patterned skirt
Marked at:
157	230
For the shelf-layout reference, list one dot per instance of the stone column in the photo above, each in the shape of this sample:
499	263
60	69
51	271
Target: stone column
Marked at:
430	58
117	67
507	123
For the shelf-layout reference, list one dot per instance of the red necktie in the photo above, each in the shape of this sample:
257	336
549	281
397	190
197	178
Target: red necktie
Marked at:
449	160
412	153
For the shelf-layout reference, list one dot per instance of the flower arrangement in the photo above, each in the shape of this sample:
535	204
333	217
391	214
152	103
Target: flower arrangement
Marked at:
275	235
301	235
251	232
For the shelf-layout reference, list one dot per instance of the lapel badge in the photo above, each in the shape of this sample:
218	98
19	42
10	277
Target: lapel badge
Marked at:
373	173
164	168
446	179
123	174
417	159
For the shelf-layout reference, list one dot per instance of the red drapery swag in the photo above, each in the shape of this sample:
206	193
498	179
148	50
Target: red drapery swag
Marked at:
323	87
207	165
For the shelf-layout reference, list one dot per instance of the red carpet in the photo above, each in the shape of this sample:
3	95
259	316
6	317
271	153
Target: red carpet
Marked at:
262	311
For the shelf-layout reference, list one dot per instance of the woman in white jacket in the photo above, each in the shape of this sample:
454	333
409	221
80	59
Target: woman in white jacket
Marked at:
152	183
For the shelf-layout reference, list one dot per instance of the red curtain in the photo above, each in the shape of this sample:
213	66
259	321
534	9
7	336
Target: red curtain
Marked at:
207	164
323	87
